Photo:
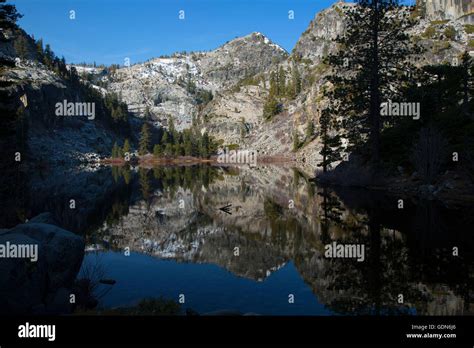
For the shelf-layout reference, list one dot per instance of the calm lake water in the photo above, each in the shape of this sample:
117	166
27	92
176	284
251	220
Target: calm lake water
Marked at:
160	232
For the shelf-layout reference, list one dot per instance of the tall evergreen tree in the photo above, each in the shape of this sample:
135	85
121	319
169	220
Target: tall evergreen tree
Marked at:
126	147
296	79
48	56
21	46
273	84
157	151
172	130
178	149
205	146
371	69
144	144
187	143
294	88
168	149
281	82
40	49
165	138
8	18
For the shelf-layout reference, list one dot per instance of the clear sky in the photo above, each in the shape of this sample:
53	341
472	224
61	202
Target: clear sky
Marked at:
108	31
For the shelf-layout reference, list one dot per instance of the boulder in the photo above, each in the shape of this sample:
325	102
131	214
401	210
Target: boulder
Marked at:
27	285
22	282
63	251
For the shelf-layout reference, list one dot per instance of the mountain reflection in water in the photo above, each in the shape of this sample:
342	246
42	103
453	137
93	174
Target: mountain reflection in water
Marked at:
271	246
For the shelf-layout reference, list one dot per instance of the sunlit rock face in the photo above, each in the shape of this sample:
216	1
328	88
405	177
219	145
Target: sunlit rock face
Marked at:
449	9
318	39
163	85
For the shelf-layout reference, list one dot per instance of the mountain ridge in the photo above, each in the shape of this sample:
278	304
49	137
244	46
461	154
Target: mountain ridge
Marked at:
223	91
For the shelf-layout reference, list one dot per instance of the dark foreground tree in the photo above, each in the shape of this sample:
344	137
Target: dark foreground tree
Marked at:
8	18
372	67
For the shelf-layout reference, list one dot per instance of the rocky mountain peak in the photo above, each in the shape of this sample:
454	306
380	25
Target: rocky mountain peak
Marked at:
242	57
173	86
259	38
318	39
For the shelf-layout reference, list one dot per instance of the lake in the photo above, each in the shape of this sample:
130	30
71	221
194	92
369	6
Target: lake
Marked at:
161	232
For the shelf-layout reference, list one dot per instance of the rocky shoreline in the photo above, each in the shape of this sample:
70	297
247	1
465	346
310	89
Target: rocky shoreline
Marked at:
150	161
453	188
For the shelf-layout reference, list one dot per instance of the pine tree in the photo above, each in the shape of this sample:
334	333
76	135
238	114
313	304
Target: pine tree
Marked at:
57	65
371	69
271	107
62	67
157	151
165	139
273	84
178	149
126	147
309	130
172	130
281	82
8	18
21	46
188	147
48	56
144	144
187	143
204	147
169	149
295	81
191	86
40	50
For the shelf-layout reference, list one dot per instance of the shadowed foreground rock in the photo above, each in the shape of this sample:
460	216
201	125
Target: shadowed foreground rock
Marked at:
41	286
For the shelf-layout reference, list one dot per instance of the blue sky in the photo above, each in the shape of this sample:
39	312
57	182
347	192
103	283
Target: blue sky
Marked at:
108	31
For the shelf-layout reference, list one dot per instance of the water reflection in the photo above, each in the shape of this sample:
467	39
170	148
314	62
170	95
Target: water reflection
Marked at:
280	217
272	245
